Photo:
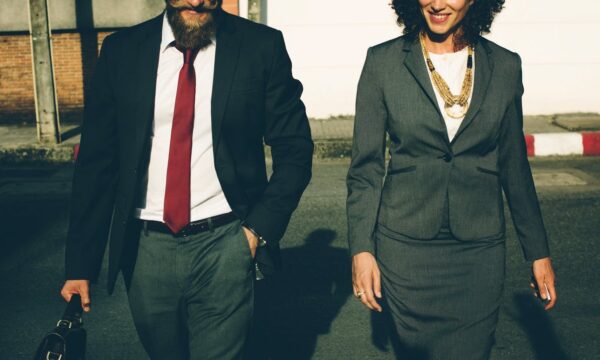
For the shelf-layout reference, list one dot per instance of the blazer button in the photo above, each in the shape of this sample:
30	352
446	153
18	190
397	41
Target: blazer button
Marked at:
447	157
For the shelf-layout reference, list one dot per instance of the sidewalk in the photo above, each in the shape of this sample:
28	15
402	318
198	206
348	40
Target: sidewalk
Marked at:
546	135
18	145
563	134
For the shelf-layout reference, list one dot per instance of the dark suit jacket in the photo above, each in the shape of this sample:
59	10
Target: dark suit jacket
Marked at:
427	174
255	99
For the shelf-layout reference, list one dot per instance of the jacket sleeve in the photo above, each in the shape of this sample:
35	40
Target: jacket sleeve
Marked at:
367	169
517	181
94	178
287	132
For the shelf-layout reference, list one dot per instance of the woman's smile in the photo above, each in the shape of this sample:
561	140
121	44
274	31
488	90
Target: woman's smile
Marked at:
438	18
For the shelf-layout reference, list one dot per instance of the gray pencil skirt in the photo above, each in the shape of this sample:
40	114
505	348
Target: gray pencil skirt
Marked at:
443	295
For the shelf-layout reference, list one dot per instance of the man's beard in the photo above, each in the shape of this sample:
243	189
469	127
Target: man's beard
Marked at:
191	36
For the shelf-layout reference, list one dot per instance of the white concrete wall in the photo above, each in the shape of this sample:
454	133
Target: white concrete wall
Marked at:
328	39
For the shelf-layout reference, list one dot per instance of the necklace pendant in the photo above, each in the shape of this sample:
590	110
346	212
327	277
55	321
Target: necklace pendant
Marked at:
456	111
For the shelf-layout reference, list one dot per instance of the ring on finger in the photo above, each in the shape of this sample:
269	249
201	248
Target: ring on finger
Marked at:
359	294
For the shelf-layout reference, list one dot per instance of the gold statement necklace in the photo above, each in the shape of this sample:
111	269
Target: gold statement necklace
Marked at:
455	106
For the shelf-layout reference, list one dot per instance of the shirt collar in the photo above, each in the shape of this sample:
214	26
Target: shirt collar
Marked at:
168	39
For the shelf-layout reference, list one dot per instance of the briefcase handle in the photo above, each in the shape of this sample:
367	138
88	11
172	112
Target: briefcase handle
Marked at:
67	340
73	315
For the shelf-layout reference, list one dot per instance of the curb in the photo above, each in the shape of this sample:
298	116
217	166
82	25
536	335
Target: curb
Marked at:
563	144
36	154
538	145
333	149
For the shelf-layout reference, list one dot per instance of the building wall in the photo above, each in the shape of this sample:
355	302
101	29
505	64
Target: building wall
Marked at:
328	41
16	76
74	53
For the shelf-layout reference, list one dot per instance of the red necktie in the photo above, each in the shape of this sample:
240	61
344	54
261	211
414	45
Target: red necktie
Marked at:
176	213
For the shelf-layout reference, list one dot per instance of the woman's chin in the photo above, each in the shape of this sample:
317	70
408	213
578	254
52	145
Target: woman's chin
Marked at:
439	30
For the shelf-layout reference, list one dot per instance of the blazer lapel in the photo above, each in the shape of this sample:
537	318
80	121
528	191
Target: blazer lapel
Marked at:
146	66
415	63
226	60
483	74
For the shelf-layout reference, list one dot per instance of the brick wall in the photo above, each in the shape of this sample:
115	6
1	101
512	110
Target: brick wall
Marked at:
74	60
16	79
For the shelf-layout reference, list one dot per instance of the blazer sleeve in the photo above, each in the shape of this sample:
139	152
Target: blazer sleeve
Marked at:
94	178
287	132
367	168
517	181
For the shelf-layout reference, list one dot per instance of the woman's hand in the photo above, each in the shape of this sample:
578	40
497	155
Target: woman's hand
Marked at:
544	277
366	280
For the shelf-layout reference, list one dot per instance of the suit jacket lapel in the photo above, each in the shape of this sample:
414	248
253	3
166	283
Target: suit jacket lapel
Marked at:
415	63
483	74
146	66
226	60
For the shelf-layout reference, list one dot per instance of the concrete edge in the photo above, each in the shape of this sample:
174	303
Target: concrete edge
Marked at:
324	149
36	154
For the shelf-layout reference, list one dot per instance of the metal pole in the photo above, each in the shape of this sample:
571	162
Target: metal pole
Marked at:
46	104
254	10
263	12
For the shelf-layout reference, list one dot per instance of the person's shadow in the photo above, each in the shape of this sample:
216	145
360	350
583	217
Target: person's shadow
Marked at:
298	304
534	320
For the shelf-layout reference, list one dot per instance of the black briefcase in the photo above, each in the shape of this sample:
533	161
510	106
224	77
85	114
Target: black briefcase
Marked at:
67	340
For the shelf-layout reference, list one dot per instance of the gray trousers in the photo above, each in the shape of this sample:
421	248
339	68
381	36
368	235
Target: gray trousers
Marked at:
192	297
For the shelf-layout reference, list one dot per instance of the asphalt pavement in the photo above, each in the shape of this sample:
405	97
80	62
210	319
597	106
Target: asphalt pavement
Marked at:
310	311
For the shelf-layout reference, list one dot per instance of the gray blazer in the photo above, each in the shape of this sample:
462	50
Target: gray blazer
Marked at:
427	174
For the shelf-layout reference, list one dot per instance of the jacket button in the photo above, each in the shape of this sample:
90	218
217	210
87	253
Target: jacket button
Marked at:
447	157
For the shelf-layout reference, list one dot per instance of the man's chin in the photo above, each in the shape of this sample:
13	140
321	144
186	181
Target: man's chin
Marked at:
192	29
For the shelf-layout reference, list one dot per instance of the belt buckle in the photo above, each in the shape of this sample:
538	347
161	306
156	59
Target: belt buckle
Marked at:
183	233
190	229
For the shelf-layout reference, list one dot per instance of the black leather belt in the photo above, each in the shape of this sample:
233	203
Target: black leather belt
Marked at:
193	227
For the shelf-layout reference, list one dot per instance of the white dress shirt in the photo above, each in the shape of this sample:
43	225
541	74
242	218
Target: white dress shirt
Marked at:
207	198
452	67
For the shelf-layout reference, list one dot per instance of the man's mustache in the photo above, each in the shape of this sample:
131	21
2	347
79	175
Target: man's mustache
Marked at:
207	6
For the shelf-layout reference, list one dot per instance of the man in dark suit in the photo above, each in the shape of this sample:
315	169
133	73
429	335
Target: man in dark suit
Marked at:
172	162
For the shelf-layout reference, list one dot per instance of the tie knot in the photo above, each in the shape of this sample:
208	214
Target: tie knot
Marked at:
188	54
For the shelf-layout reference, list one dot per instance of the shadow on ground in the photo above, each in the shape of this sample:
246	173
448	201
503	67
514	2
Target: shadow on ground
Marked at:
71	133
535	322
300	303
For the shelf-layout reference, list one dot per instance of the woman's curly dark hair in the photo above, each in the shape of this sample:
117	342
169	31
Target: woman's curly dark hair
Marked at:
478	20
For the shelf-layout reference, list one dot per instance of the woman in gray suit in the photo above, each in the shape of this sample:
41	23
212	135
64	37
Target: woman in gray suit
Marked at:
427	234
